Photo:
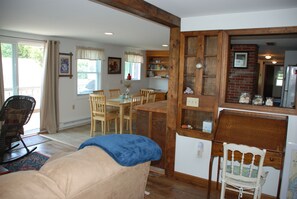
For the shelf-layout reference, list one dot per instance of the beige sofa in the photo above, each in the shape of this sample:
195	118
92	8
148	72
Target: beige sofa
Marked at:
87	173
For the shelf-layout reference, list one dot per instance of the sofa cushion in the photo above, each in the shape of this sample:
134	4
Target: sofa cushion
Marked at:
91	164
28	185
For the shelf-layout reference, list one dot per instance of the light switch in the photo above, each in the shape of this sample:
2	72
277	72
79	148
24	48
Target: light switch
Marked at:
192	101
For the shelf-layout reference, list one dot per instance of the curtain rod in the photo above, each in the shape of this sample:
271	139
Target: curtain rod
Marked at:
23	38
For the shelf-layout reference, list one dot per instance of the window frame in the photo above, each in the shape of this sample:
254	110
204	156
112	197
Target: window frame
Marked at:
98	75
131	70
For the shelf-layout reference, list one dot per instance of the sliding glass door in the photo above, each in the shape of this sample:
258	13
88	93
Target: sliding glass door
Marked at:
22	74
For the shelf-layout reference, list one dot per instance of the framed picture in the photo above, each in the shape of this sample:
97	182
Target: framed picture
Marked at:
65	65
114	65
240	59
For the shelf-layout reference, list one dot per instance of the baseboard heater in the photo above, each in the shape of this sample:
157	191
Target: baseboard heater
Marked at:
74	123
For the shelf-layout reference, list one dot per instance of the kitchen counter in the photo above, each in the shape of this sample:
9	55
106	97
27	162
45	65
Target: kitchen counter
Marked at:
151	122
157	107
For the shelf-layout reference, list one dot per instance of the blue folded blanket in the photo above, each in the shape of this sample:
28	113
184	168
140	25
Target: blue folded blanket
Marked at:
127	149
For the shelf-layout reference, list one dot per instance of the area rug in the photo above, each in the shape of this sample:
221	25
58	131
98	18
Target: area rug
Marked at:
32	161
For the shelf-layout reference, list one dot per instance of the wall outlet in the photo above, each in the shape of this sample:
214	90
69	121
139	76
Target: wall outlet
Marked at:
192	101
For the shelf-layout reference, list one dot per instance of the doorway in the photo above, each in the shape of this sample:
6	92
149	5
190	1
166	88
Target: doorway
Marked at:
22	75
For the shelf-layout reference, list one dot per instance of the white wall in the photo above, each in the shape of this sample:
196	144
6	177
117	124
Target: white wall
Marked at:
275	18
161	83
290	58
186	160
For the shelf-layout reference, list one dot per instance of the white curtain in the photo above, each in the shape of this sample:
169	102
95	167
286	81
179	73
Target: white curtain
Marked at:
1	81
89	53
133	57
49	107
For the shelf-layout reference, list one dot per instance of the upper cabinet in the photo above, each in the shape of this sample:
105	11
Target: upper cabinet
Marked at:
199	78
157	64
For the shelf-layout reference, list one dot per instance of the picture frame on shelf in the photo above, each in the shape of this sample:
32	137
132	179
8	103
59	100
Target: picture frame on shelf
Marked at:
114	65
240	60
65	65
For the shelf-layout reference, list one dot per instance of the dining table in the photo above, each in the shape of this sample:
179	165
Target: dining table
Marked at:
121	103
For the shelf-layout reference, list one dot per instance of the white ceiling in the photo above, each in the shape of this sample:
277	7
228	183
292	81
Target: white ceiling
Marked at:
84	19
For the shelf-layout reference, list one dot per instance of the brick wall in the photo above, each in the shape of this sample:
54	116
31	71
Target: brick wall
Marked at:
241	80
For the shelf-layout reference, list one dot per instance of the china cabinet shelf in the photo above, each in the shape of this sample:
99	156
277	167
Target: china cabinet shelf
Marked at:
157	64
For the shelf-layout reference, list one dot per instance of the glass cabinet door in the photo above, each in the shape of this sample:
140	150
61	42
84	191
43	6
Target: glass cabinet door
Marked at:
198	93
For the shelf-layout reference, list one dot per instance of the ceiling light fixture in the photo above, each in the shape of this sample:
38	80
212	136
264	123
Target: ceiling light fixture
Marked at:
165	45
108	33
268	57
274	62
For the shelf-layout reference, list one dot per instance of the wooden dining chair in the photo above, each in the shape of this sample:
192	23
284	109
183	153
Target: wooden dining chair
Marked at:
114	93
145	92
130	114
151	98
99	92
99	112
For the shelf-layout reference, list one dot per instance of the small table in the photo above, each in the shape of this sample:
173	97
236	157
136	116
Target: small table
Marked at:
121	104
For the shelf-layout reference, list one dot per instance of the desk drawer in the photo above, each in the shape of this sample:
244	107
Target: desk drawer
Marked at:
273	159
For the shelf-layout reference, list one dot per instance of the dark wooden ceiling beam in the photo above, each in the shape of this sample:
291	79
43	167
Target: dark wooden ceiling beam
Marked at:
145	10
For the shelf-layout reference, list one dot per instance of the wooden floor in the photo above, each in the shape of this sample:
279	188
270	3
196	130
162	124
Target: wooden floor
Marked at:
158	185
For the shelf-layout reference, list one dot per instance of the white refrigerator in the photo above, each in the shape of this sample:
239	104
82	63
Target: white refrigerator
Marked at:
289	87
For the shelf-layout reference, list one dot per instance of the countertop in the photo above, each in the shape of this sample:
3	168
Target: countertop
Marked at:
157	107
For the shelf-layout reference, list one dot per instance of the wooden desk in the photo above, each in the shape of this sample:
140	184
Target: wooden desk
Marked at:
264	131
151	122
121	104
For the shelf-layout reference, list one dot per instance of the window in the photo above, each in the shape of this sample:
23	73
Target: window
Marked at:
88	70
88	76
134	69
133	65
280	77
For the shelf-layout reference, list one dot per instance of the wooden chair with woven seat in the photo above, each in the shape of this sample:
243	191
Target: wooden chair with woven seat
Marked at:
14	114
99	92
99	112
114	93
145	92
130	113
242	170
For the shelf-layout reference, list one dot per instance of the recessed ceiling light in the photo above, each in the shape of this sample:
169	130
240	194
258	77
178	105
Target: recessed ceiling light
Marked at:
108	33
165	45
